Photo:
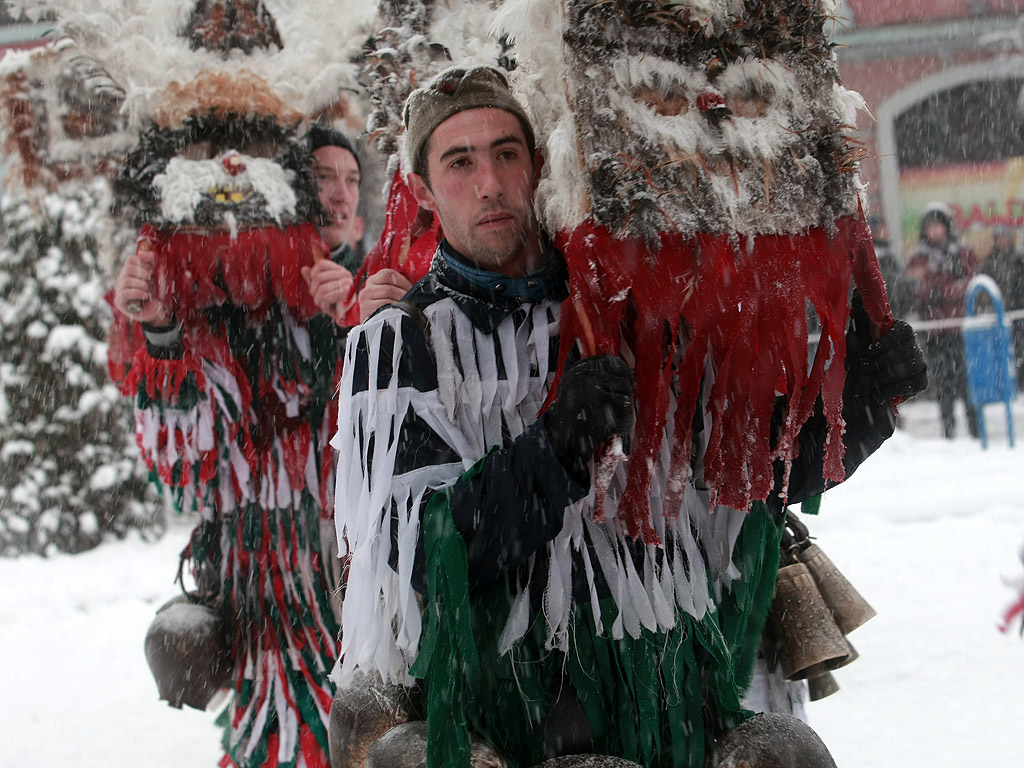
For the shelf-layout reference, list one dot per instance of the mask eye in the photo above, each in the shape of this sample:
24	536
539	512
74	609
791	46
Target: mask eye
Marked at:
748	103
267	149
667	105
198	150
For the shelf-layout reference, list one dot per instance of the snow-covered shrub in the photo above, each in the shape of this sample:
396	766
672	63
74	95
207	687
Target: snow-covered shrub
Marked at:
68	469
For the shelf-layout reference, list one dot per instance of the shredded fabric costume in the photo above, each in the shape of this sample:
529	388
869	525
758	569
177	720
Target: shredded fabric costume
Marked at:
233	421
447	485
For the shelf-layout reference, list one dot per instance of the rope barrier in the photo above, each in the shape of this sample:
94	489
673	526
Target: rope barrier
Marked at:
978	321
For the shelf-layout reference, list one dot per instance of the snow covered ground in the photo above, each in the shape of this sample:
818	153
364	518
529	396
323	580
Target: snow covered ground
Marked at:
924	530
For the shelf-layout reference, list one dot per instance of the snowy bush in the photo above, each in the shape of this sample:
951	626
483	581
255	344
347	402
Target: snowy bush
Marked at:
68	473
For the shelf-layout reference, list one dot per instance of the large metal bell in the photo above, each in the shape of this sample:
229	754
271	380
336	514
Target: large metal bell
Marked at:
771	740
588	761
188	653
806	634
360	714
405	746
848	607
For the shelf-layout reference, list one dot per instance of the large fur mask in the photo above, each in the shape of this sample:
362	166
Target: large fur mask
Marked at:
220	173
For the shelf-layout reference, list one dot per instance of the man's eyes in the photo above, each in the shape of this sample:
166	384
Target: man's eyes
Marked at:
503	155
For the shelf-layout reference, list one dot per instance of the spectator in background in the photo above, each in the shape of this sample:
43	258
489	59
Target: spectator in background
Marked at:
1005	265
900	288
336	169
940	269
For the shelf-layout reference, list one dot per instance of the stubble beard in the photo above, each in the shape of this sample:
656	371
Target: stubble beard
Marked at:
497	251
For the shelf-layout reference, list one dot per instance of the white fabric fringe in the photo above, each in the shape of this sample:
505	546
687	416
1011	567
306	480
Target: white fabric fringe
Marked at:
381	618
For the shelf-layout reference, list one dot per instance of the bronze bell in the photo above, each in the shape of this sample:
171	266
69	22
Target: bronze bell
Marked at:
803	625
821	686
826	666
848	607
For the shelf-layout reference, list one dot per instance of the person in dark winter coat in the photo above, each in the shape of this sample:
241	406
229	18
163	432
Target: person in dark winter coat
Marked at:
900	289
482	560
941	268
1005	265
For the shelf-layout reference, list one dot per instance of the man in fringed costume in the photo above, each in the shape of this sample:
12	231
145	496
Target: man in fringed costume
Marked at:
244	321
234	409
498	550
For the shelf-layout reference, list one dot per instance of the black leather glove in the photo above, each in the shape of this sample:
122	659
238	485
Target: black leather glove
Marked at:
595	402
886	369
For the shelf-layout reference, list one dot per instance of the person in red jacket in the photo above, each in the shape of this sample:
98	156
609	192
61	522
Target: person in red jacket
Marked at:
941	268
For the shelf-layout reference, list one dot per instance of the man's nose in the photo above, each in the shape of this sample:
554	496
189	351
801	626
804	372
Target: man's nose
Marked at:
488	182
339	193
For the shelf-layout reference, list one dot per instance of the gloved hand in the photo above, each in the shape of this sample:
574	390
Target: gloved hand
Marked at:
595	402
892	367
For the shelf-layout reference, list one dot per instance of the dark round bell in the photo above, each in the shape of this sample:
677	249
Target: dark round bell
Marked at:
188	653
362	713
405	746
771	740
588	761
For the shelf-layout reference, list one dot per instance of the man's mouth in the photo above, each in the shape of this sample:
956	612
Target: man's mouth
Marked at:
496	218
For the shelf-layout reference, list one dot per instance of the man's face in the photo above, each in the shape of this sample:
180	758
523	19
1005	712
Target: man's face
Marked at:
482	178
337	173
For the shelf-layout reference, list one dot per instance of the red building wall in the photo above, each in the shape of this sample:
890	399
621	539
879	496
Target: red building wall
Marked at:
875	13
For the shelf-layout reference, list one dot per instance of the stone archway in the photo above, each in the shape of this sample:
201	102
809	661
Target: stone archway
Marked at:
890	111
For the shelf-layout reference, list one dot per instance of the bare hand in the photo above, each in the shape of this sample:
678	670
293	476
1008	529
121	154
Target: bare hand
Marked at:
384	287
140	290
330	285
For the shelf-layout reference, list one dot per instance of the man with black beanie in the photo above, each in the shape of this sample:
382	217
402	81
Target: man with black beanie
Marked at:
336	168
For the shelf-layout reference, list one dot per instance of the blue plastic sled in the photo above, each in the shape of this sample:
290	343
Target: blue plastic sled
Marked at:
991	371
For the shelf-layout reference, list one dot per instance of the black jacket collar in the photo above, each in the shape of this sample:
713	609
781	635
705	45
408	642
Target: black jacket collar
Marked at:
485	305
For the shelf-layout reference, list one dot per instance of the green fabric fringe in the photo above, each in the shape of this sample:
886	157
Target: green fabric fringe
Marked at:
448	658
811	506
659	700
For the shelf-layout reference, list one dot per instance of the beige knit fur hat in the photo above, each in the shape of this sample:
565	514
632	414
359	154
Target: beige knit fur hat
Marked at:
455	90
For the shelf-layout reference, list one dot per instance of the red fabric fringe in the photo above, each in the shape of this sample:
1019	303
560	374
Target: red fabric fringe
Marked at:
253	270
162	380
1015	610
409	238
743	301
